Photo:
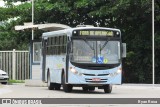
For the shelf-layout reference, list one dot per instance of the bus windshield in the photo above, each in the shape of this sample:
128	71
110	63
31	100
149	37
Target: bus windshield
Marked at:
95	52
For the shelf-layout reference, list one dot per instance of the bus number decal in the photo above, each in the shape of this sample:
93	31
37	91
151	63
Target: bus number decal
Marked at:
59	66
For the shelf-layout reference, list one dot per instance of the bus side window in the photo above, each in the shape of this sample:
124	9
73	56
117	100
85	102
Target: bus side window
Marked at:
56	43
47	50
65	43
61	44
54	47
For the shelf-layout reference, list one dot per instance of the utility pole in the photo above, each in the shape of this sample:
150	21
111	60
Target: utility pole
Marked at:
32	18
153	50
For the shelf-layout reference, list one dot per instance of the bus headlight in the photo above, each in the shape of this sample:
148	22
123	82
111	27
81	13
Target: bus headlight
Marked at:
119	70
73	70
116	73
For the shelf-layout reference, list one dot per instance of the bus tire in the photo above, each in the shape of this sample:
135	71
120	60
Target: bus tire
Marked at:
107	88
91	88
85	88
57	86
66	87
50	85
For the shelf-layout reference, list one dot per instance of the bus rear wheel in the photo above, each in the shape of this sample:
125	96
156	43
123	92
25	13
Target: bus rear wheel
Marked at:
66	87
57	86
51	86
107	88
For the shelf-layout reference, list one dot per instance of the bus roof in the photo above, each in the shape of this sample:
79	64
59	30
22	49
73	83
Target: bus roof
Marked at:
68	31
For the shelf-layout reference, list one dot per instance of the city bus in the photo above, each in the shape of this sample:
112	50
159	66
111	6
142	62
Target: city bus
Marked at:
87	57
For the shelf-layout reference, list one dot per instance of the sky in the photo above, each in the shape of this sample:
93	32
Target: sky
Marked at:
2	3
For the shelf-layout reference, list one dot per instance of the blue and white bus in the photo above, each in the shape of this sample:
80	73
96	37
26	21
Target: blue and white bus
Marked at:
86	57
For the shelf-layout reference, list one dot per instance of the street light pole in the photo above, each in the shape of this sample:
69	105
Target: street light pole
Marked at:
153	50
32	18
31	40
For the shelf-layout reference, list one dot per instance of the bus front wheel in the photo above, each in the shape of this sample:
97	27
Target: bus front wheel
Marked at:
57	86
107	88
66	87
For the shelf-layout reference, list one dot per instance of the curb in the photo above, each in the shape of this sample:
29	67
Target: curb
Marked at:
35	83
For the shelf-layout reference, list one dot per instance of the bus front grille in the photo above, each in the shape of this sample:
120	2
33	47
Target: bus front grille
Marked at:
93	81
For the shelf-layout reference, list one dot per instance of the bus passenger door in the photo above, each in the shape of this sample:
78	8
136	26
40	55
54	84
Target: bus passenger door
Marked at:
43	59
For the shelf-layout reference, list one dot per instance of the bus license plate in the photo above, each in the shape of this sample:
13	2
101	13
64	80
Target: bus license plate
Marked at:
96	79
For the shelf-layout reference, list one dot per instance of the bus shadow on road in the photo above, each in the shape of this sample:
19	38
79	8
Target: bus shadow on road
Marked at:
79	91
86	92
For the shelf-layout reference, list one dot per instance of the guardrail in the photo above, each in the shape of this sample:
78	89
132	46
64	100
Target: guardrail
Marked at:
16	64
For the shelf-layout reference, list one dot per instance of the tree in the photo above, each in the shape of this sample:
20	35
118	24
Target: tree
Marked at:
132	17
157	41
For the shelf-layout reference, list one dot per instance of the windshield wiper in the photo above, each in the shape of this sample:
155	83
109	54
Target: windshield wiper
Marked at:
88	44
101	48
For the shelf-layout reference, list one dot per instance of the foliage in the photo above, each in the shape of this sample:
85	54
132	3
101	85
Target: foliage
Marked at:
157	40
133	17
16	81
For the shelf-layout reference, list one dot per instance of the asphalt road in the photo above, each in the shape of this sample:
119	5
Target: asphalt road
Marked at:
119	91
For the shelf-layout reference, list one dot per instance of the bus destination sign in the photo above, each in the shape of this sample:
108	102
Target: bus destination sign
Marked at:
96	33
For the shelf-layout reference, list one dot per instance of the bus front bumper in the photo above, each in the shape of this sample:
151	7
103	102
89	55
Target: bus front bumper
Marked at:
94	80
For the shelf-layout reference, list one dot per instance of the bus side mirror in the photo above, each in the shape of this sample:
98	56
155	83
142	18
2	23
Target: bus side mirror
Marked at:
124	50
